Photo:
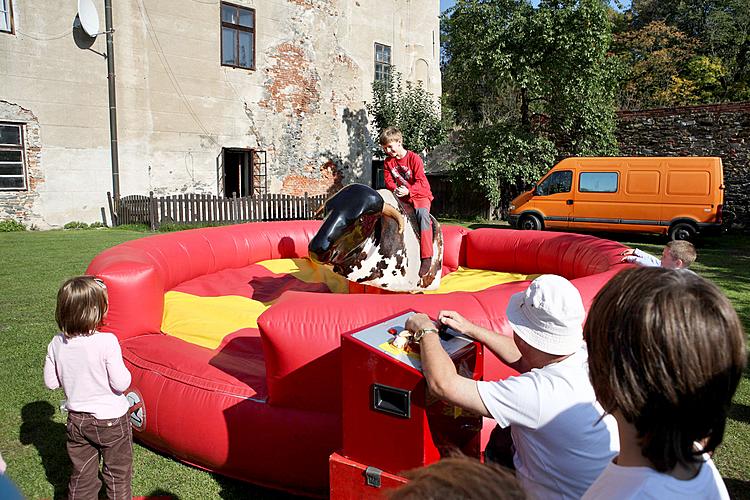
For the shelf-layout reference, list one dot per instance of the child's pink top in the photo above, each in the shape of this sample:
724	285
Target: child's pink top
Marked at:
91	372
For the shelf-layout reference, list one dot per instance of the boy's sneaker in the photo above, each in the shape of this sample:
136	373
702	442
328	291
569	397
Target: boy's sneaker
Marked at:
425	266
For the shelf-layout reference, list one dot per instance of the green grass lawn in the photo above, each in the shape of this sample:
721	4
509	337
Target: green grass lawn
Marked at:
32	430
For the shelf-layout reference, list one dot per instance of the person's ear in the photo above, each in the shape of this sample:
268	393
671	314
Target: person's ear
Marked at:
679	264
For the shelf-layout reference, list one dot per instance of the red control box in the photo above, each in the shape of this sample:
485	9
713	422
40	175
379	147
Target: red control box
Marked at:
391	422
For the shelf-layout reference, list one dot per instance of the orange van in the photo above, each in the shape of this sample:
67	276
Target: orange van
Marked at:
677	196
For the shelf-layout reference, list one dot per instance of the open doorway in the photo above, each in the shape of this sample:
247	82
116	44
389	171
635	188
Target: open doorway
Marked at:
378	180
237	176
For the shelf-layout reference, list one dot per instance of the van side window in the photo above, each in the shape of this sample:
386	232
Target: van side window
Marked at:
597	182
557	182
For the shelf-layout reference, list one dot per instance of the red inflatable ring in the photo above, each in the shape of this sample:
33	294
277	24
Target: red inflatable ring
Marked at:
262	403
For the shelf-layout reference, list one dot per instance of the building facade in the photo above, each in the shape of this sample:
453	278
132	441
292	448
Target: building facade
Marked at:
214	97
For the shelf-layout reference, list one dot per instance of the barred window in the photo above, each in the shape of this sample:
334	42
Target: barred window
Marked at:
12	171
237	36
382	62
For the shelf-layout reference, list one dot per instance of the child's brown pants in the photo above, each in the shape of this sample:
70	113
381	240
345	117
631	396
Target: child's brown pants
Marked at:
88	439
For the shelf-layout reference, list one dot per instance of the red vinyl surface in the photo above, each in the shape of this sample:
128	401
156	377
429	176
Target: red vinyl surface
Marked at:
265	406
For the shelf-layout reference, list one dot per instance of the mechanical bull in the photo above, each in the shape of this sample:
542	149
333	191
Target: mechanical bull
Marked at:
371	238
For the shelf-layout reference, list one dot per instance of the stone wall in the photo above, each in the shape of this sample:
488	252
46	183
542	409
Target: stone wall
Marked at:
718	130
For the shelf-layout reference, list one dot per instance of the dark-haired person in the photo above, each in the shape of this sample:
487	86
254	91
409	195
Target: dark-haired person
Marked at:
666	352
88	365
459	478
561	441
676	255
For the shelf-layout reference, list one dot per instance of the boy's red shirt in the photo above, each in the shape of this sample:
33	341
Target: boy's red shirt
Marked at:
408	171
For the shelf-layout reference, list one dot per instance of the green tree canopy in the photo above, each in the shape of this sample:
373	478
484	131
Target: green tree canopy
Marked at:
527	85
714	66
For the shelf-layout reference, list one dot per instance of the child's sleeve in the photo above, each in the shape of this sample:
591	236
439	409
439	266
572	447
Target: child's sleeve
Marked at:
50	370
421	186
119	376
388	178
643	259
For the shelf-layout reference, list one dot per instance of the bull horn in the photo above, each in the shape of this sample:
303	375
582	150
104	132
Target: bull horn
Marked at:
319	211
390	211
322	207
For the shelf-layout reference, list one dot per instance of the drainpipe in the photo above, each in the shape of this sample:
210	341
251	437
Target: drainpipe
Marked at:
112	103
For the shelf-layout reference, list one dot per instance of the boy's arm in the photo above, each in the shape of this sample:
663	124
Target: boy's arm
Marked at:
389	182
642	258
50	371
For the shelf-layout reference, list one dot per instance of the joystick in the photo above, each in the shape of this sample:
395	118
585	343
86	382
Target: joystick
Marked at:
443	332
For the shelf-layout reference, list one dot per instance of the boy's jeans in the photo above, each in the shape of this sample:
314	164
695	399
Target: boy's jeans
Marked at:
88	439
422	208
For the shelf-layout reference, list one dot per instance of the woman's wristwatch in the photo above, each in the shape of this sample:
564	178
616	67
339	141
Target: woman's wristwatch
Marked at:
422	332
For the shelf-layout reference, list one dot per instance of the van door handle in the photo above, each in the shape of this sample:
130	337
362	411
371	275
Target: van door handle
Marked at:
568	202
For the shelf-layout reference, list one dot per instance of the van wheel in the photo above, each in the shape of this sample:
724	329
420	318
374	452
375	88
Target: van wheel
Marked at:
530	223
682	231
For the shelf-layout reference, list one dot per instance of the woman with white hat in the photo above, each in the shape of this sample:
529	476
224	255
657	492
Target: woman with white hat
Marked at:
561	442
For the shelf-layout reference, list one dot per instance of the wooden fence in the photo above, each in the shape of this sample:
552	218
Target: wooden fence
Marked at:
201	208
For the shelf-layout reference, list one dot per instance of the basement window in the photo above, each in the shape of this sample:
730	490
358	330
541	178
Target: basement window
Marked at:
382	62
6	16
12	171
237	36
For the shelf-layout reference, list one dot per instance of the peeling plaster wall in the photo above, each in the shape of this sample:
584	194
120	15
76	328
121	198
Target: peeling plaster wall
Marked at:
21	205
178	107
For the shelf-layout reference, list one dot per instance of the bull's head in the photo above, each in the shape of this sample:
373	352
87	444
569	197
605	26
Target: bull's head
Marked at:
351	216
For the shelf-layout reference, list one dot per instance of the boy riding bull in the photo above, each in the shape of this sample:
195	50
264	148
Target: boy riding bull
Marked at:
404	175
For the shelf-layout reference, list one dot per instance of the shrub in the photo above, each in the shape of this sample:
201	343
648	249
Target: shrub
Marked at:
76	225
97	225
141	228
10	225
177	226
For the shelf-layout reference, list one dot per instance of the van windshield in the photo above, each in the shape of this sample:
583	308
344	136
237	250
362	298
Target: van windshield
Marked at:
558	182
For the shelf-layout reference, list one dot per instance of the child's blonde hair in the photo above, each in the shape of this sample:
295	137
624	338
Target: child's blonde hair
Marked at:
81	305
391	134
682	250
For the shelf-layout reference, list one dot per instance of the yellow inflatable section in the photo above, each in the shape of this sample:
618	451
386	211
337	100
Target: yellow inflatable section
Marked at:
205	321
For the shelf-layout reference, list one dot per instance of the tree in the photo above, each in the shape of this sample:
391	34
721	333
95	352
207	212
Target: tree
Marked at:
410	108
721	31
498	161
654	57
527	85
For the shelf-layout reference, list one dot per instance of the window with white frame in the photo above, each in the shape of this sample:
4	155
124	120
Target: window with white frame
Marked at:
6	16
382	62
237	36
12	172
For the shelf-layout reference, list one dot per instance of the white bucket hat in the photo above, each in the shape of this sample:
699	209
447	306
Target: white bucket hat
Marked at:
548	315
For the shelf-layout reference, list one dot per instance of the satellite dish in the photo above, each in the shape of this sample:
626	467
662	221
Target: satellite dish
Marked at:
89	17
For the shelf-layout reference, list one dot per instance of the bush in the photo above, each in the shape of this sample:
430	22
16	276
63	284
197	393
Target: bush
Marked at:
169	227
76	225
10	225
140	228
97	225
